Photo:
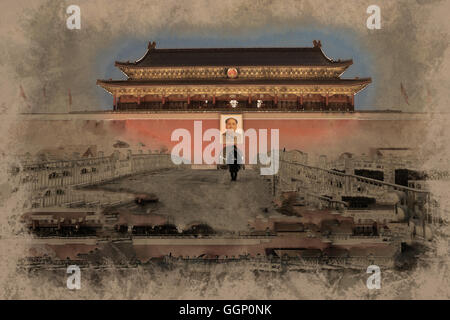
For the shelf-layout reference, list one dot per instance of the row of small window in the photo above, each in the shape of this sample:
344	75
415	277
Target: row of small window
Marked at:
55	175
58	192
85	170
357	164
336	183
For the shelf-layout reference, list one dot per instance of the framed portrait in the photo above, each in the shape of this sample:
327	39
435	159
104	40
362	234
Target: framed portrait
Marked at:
231	129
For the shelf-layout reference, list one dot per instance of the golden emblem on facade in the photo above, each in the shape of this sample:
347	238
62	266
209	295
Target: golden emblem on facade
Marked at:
232	73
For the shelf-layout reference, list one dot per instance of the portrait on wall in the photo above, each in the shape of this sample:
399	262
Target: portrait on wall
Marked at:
231	129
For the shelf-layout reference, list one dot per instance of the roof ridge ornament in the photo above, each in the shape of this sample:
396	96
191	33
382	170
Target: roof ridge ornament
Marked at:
317	44
151	45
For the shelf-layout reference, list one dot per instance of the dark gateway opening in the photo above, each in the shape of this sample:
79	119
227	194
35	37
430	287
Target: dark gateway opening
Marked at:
372	174
402	176
358	202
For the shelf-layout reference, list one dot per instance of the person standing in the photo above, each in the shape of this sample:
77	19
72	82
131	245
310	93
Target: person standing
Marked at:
233	162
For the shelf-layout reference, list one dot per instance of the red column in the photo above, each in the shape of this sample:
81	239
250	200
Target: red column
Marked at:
326	100
249	99
114	102
189	99
353	101
276	99
163	100
139	99
301	100
214	99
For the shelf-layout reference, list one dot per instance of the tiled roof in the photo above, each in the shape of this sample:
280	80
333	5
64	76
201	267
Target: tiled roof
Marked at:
293	56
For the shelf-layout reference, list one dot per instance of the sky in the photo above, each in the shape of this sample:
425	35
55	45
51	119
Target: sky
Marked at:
40	54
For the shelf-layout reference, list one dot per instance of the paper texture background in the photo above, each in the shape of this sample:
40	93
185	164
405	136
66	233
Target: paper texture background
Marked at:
39	51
